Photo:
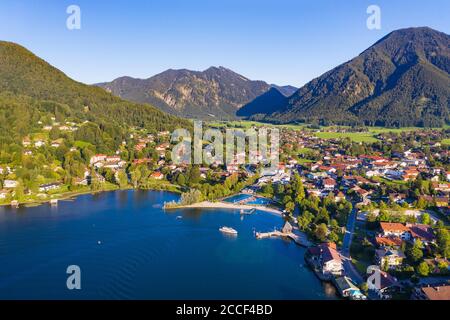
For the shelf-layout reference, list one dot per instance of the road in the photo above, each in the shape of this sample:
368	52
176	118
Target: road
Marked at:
349	268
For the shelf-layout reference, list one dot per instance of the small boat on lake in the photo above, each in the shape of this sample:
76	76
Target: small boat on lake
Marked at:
250	211
228	230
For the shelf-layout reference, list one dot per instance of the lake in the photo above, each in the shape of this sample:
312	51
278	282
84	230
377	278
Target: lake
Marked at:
128	247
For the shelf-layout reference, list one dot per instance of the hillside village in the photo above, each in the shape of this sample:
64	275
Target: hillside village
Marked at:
393	195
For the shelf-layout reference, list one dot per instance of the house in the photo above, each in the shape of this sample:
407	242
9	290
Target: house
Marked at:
422	232
56	143
3	193
287	228
410	174
441	292
162	147
114	158
140	146
348	289
39	143
81	181
389	257
329	183
339	197
330	260
394	229
157	175
49	186
97	158
26	142
383	242
9	184
384	286
361	194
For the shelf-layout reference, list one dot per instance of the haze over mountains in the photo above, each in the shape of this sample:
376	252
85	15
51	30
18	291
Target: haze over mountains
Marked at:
402	80
215	93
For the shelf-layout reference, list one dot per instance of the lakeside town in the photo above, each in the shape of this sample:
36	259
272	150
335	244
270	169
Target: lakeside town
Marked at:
378	206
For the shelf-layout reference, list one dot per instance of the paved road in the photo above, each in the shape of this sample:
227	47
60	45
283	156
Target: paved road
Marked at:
349	268
345	251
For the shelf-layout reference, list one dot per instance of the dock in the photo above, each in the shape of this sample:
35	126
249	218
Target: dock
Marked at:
296	238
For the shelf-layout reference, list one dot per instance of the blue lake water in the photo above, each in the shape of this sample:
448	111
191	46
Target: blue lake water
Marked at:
128	248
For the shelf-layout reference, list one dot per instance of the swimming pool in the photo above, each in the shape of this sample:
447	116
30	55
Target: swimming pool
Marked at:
237	198
260	201
242	197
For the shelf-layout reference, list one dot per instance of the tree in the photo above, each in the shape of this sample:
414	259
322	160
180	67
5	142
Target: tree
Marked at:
122	179
268	189
385	266
190	197
443	242
371	217
426	218
181	179
333	237
19	193
290	206
423	269
323	216
194	175
96	185
304	220
321	232
286	199
415	252
135	176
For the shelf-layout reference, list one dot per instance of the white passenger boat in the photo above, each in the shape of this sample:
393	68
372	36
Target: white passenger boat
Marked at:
228	230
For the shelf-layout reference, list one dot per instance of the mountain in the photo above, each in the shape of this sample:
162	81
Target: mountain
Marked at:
285	90
267	103
402	80
31	90
216	93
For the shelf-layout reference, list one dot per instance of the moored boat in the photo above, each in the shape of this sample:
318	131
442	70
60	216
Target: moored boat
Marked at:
228	230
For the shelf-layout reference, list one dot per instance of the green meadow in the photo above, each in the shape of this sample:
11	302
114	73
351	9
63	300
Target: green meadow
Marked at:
326	132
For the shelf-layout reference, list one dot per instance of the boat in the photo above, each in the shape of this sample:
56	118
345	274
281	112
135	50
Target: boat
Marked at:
228	230
54	202
250	211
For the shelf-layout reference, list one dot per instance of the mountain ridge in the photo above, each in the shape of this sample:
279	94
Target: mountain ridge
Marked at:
214	93
401	80
31	89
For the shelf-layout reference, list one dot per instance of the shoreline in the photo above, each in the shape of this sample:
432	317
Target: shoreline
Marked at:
225	205
71	195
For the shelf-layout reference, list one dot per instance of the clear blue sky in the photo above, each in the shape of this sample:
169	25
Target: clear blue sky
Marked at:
279	41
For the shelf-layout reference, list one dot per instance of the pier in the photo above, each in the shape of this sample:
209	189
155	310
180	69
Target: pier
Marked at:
301	241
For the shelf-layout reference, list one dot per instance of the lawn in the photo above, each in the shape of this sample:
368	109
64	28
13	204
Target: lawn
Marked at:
81	144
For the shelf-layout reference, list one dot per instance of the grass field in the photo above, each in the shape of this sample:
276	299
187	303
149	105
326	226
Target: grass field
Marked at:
366	137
